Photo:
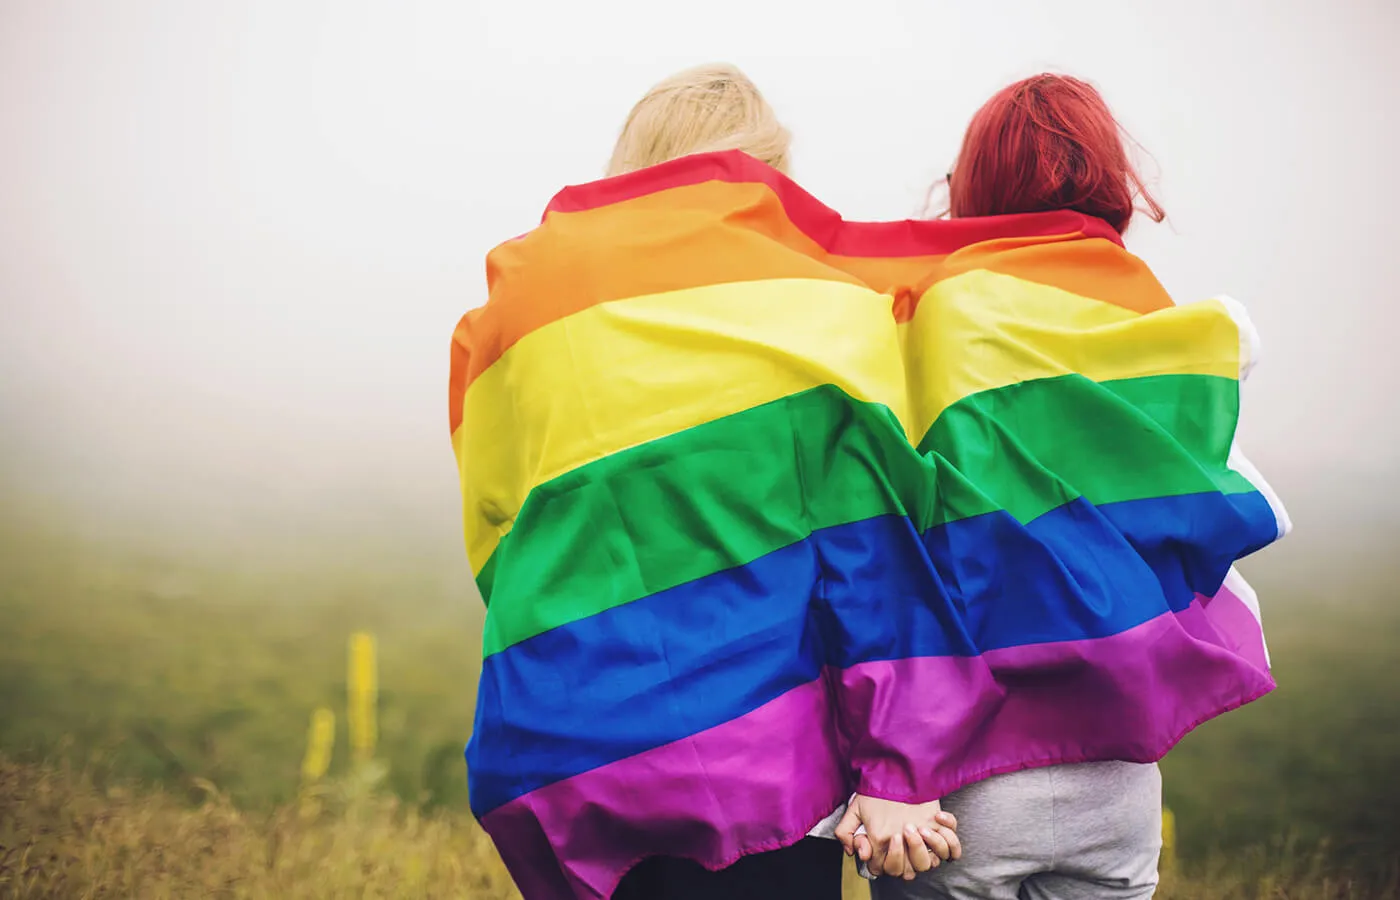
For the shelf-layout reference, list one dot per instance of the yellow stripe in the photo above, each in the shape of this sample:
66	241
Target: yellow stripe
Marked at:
982	330
631	371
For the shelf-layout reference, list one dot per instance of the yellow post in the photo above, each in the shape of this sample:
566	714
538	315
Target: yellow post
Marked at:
320	743
362	685
1168	838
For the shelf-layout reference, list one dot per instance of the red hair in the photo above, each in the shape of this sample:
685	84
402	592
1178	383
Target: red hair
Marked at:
1046	143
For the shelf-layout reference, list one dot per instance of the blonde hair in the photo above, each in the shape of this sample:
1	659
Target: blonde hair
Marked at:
704	109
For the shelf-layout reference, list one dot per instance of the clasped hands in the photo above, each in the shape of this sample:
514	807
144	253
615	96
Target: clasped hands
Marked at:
900	839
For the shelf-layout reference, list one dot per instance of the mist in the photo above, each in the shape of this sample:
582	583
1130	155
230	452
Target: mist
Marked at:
237	236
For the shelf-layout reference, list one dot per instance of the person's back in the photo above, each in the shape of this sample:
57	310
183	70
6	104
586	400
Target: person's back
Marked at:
703	110
1088	830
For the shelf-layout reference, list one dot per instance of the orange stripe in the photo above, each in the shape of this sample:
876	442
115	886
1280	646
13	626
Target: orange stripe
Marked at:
713	233
1099	270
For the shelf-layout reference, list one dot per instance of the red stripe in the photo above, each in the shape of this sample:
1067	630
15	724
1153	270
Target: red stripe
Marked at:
908	237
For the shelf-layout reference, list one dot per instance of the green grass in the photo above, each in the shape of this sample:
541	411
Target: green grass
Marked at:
1315	762
166	669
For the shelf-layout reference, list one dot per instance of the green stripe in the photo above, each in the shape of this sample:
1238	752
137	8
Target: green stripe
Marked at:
486	578
706	499
1035	445
725	493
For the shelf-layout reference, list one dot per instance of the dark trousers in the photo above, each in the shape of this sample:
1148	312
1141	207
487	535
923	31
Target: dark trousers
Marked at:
808	870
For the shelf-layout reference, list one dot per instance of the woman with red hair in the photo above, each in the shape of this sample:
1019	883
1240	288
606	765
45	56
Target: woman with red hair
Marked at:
1089	830
1047	143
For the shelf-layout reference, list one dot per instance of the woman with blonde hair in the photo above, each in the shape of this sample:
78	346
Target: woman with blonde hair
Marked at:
705	109
701	110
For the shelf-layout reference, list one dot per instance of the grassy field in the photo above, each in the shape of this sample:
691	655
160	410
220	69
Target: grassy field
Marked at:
63	836
165	668
154	708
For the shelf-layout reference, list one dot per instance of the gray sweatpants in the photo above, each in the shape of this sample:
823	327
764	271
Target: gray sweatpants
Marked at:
1072	832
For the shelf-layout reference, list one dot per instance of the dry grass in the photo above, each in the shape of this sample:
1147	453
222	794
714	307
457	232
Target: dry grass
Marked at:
61	835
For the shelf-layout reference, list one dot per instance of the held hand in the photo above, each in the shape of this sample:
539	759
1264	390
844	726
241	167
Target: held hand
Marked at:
901	839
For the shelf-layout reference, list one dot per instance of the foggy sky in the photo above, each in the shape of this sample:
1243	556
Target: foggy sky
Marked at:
236	236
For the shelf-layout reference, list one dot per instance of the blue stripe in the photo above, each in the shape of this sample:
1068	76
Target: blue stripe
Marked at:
692	657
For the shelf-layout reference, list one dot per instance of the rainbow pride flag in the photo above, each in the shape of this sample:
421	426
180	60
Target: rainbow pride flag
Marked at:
768	507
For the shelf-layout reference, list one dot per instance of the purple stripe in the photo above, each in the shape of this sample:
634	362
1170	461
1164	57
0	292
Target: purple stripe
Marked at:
755	783
927	726
1236	626
1131	696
